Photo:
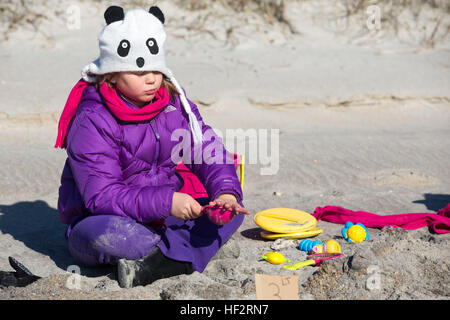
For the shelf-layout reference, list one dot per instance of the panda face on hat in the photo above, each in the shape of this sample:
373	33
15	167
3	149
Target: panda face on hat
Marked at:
134	41
131	41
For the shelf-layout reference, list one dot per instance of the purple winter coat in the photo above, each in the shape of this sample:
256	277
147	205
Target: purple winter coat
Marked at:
125	168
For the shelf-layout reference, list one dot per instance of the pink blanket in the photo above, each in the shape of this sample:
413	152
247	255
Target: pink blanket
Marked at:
439	223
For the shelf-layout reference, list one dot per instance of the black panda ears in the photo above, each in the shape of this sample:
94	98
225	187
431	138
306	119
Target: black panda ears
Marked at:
115	13
154	10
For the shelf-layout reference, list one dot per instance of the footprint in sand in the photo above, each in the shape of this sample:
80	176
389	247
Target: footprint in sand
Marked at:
401	177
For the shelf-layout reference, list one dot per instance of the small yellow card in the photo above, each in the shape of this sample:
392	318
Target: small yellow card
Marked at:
275	287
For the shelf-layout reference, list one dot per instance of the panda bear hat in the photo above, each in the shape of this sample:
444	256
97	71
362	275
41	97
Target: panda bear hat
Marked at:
134	41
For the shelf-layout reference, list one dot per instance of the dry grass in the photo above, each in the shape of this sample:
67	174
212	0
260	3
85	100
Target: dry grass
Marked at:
16	14
30	15
272	10
392	10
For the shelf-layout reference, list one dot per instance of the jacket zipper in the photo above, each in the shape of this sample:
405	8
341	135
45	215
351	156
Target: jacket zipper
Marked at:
155	159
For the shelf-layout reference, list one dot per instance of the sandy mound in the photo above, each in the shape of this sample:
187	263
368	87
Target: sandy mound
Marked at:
394	264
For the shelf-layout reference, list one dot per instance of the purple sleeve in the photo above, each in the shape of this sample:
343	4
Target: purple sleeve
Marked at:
93	155
220	176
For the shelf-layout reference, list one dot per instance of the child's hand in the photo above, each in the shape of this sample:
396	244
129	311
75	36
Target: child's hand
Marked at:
229	201
185	207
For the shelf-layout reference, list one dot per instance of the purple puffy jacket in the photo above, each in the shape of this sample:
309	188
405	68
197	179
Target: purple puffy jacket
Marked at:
125	168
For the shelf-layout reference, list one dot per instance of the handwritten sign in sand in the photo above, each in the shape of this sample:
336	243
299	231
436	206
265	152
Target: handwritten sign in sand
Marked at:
274	287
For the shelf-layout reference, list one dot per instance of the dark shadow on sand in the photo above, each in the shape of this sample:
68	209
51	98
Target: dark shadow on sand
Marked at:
253	234
434	201
37	225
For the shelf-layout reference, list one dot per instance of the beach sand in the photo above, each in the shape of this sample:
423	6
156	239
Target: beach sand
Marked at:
363	124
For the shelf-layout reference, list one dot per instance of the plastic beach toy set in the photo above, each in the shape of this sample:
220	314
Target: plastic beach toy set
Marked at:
297	224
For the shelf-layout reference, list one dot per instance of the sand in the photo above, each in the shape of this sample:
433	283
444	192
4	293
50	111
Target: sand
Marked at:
362	119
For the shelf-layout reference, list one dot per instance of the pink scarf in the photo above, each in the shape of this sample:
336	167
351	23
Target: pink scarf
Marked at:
113	102
439	222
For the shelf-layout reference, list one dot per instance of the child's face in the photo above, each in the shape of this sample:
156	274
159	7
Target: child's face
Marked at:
140	87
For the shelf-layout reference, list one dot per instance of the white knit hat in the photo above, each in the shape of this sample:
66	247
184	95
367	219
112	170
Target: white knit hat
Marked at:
134	41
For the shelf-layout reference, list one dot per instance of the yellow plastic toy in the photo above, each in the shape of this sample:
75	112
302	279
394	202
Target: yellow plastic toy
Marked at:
241	171
274	258
332	246
286	222
313	260
318	248
293	235
355	232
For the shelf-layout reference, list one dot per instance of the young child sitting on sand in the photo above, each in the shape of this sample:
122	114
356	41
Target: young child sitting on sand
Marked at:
119	188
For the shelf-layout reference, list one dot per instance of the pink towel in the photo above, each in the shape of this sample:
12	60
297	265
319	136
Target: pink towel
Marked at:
439	222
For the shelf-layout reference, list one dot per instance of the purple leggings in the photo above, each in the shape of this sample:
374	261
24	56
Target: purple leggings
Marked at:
104	239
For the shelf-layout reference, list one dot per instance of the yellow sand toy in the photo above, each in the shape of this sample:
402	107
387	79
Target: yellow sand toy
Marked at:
286	223
274	258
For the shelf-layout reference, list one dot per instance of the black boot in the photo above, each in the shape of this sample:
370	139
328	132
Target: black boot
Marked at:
20	278
132	273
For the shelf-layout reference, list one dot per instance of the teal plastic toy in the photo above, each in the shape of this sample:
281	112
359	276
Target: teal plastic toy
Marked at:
307	244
